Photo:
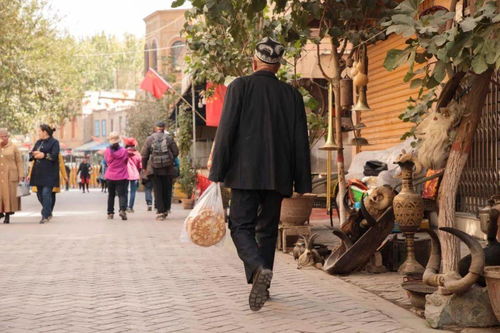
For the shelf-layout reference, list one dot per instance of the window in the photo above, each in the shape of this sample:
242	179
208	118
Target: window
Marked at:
176	53
103	127
120	124
154	56
112	124
146	61
97	127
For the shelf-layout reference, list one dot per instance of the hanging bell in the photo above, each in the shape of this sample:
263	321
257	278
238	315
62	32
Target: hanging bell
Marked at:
359	141
346	95
359	126
362	103
346	122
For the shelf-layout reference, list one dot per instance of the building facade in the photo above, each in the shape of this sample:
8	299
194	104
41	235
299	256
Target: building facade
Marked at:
164	48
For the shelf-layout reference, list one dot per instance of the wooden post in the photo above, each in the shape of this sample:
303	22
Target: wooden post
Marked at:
338	134
193	107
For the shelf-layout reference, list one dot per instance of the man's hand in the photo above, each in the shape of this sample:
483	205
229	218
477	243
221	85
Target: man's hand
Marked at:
38	155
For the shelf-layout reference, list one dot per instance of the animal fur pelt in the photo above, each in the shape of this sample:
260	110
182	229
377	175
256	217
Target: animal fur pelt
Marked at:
375	203
435	134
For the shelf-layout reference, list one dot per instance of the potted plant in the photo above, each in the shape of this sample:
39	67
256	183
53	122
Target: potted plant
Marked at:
187	182
297	209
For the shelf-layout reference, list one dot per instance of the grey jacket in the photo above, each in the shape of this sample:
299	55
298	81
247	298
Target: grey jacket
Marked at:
146	154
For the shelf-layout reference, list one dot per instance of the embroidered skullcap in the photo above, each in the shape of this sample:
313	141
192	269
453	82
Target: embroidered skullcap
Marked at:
269	51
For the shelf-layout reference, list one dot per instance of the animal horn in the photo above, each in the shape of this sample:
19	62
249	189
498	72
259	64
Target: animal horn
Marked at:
459	286
431	276
343	237
310	244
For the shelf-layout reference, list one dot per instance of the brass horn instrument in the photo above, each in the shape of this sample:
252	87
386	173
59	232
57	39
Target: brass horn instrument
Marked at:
362	103
330	143
361	80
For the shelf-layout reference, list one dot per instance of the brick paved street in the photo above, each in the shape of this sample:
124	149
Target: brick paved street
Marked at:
83	273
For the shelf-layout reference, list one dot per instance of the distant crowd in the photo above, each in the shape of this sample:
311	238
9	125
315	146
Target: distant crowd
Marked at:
118	174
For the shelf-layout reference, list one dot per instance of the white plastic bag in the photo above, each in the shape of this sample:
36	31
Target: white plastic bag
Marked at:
23	189
205	225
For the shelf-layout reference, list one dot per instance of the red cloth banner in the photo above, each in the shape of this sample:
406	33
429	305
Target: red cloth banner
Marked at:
155	84
214	103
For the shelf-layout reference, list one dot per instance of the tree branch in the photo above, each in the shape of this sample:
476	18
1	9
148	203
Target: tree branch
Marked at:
449	90
320	65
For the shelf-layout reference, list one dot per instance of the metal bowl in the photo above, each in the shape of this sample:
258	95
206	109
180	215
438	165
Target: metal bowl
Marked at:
417	290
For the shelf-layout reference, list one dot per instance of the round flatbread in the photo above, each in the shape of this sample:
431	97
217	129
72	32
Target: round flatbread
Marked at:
206	228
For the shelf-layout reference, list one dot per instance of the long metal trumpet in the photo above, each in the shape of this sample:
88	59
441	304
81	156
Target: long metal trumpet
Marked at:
330	140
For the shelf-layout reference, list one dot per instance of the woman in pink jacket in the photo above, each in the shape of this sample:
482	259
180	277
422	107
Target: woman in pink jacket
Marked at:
116	175
134	168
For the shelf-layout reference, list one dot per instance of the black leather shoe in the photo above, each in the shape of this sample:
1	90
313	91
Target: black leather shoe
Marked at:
259	293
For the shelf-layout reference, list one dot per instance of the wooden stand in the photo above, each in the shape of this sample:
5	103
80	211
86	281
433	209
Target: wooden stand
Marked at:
290	230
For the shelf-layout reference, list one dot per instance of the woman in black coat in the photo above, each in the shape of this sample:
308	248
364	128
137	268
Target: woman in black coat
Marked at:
45	172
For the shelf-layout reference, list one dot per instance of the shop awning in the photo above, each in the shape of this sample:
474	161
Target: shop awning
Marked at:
92	146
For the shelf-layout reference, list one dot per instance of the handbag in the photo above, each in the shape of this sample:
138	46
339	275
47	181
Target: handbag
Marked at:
23	189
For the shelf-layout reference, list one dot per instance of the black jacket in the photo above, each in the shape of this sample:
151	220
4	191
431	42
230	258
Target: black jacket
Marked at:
262	141
84	170
45	171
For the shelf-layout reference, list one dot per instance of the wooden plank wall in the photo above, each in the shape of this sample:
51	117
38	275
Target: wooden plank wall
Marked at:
387	94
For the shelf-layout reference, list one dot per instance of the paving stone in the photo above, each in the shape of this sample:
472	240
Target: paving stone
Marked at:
84	273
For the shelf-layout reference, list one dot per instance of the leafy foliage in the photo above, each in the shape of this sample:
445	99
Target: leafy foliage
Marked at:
140	120
38	79
43	71
469	45
222	35
109	62
187	177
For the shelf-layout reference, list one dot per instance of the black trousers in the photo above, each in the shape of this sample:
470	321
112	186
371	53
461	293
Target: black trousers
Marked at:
253	221
162	186
117	187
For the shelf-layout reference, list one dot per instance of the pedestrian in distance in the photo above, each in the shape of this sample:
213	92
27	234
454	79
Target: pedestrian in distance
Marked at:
45	170
134	167
68	172
158	156
261	152
148	192
102	178
85	169
116	175
11	173
57	189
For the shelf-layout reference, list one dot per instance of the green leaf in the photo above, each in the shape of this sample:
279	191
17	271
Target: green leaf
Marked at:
439	71
431	83
468	24
403	30
420	58
408	76
178	3
395	58
258	5
417	83
479	64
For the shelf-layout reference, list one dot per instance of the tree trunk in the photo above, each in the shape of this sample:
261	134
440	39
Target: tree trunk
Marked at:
459	153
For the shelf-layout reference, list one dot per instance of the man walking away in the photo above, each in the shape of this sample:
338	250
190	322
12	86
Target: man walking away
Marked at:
261	152
158	155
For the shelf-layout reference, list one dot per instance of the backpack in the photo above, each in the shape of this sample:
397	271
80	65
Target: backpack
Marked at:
161	156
